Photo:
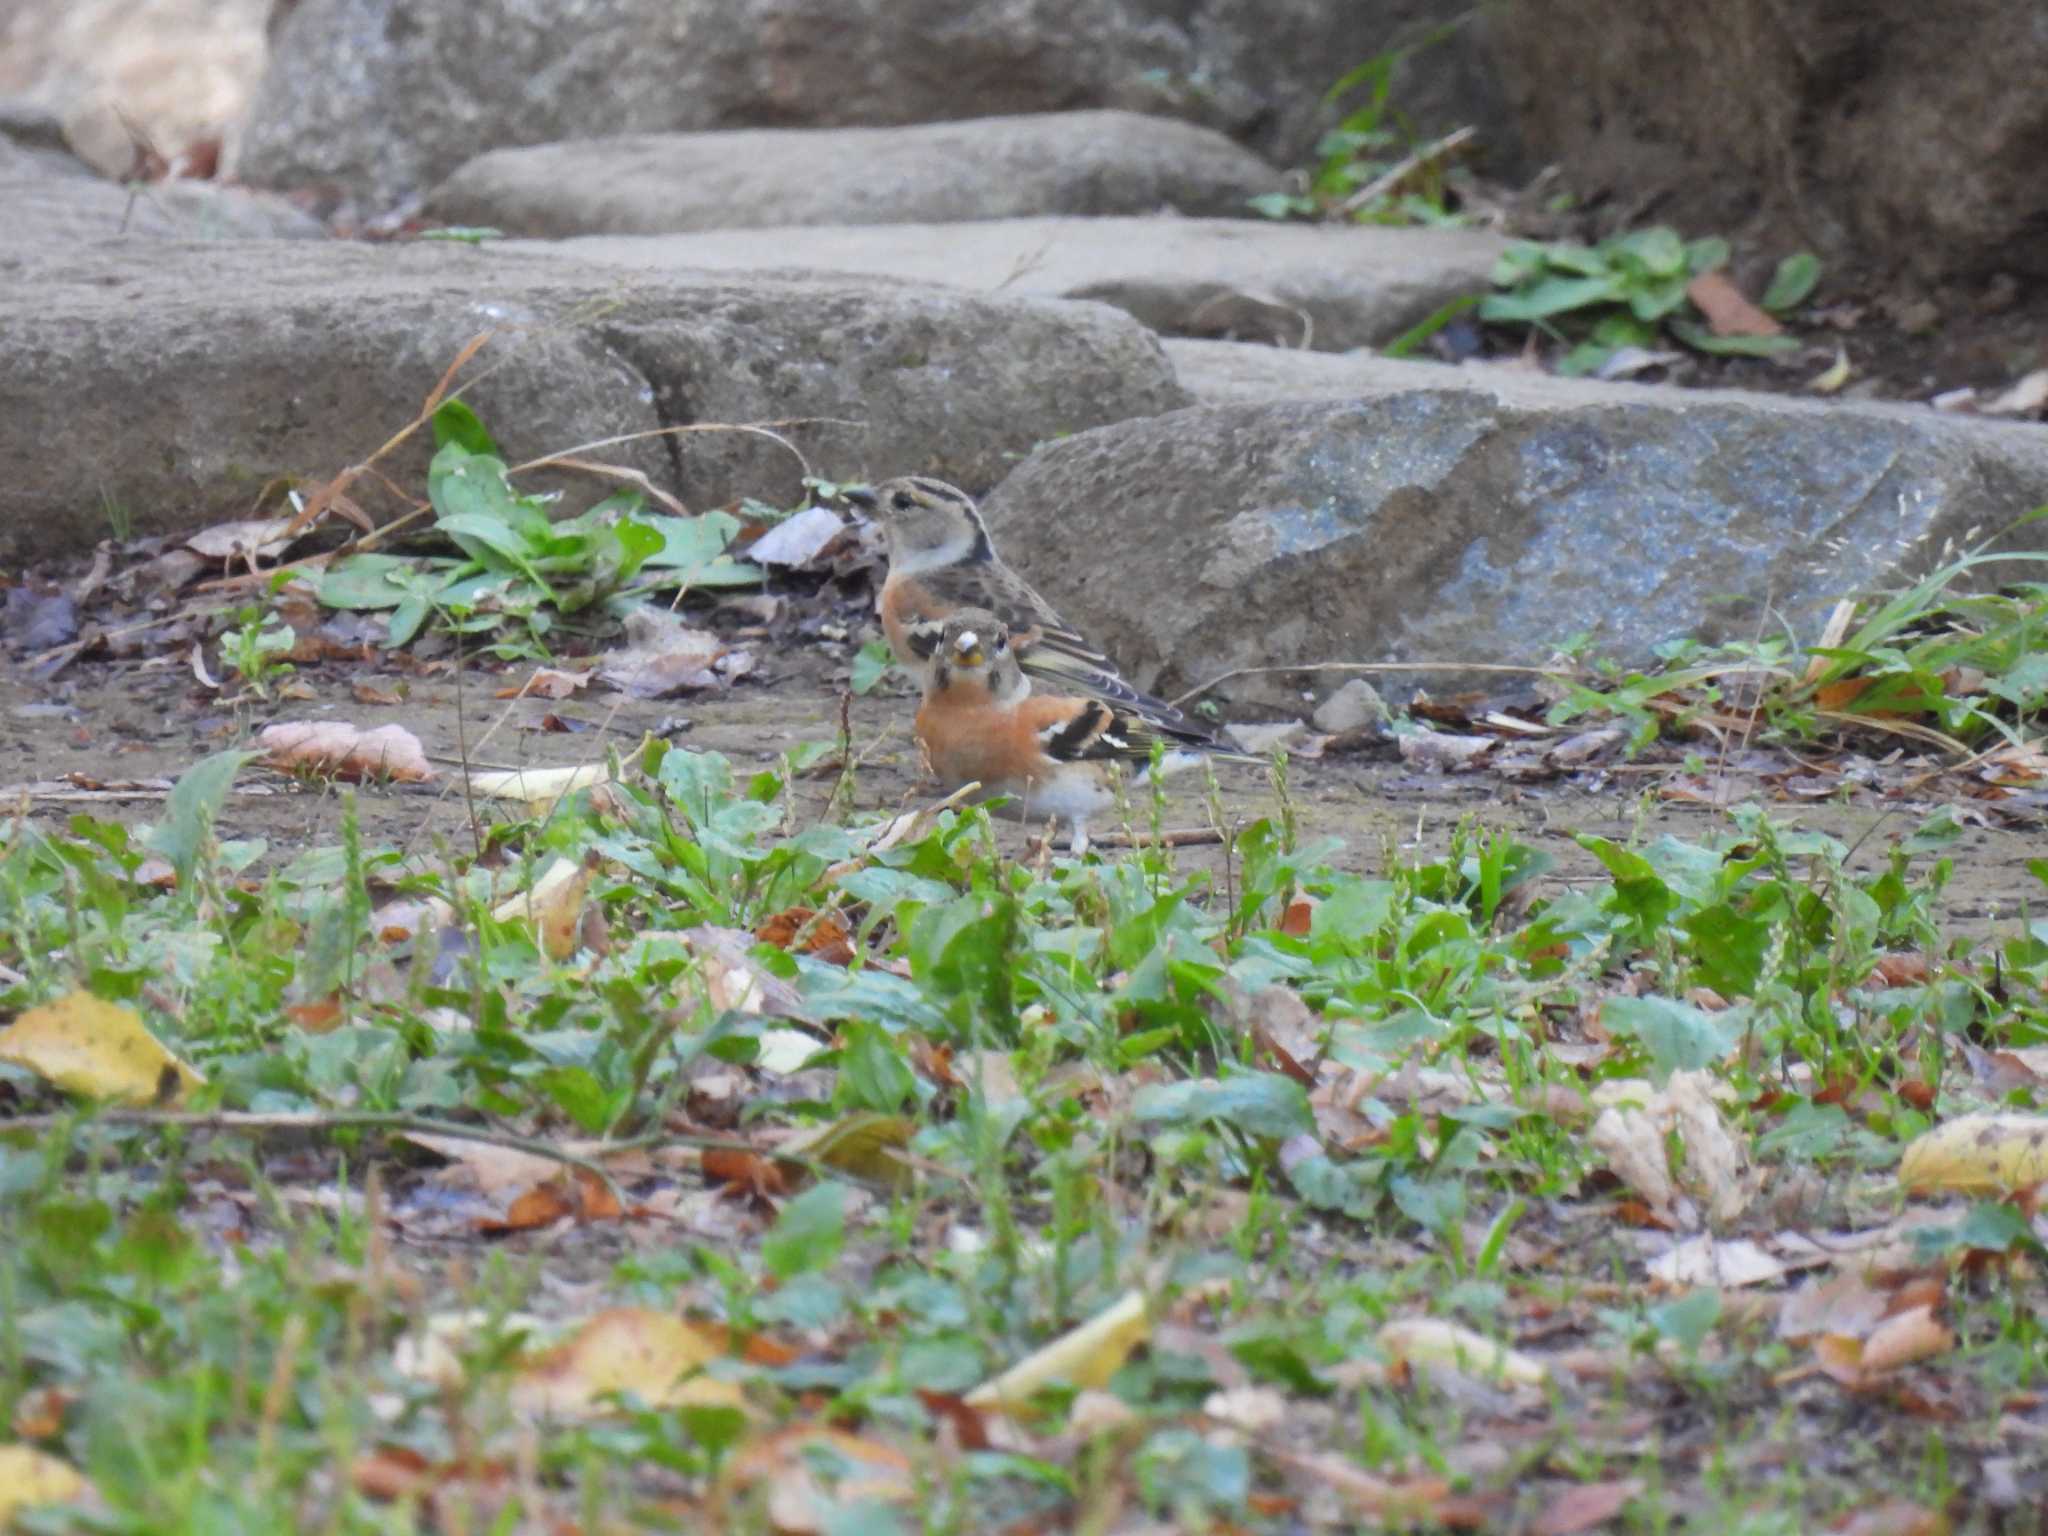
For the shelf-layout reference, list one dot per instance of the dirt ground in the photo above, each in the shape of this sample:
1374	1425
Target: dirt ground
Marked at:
129	724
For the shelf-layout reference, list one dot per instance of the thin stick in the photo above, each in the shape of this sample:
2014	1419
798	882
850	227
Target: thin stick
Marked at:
1437	149
318	1123
1371	666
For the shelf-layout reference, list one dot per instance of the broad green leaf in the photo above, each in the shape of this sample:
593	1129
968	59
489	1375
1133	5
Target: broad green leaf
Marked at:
1676	1036
808	1234
1795	279
1700	339
455	422
193	807
1261	1104
368	581
1550	296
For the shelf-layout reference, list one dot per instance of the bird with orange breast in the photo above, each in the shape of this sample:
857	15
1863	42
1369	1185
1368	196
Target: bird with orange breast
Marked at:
1052	754
942	562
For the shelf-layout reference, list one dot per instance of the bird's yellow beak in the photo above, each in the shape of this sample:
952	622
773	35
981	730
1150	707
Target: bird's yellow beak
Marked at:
967	649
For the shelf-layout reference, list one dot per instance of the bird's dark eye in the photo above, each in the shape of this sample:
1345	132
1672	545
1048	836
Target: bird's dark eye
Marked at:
901	501
1001	644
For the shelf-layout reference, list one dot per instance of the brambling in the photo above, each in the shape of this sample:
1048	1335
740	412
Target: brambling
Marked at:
979	720
941	562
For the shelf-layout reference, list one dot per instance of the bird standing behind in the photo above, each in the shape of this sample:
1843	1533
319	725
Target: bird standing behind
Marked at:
942	562
979	720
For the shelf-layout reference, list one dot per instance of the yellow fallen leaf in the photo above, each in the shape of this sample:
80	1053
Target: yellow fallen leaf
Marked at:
861	1145
554	906
538	786
1432	1341
1979	1154
656	1356
29	1477
98	1050
1087	1356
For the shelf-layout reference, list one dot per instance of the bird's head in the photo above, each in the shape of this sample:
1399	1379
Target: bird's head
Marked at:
928	523
975	646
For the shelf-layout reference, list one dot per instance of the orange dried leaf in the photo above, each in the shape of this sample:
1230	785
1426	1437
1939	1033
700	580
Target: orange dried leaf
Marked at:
1728	312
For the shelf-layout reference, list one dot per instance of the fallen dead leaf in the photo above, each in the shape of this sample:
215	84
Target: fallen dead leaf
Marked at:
1728	312
1978	1154
334	747
554	906
1439	752
29	1477
97	1050
1585	1506
1087	1356
549	683
655	1356
1415	1341
245	539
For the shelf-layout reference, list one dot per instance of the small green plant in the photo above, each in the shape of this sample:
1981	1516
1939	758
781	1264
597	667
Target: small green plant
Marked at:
519	572
1373	167
255	651
1630	290
1929	662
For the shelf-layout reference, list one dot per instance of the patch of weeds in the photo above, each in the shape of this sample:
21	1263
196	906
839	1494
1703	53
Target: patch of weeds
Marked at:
1373	167
520	573
1932	663
1631	290
942	1109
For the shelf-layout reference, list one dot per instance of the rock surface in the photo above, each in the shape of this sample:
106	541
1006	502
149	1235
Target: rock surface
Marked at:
52	199
163	386
1449	521
983	168
1885	129
1323	286
386	97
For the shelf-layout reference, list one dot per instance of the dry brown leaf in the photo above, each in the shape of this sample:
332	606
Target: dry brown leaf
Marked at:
1728	312
1904	1339
1894	1517
1979	1154
549	683
824	937
334	747
366	691
246	538
1585	1506
98	1050
554	907
1439	752
1846	1304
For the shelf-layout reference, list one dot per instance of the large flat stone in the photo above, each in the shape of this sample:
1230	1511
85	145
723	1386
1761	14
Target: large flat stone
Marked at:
1423	513
162	386
1323	286
1087	163
52	200
384	98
